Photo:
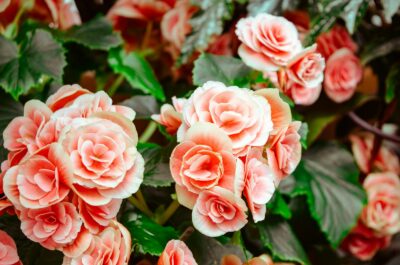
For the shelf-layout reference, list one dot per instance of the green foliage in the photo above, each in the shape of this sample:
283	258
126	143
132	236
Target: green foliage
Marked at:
136	70
23	65
328	177
278	206
270	6
148	236
390	7
144	106
218	68
303	134
392	83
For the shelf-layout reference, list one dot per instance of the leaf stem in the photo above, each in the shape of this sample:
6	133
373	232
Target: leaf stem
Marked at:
147	35
169	212
148	132
115	85
135	202
141	198
187	233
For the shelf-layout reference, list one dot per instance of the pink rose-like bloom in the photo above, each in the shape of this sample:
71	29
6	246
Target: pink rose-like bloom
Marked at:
59	13
5	204
284	150
8	11
171	115
106	163
342	74
111	247
219	211
386	159
382	214
204	160
307	68
139	9
337	38
221	45
65	96
260	183
176	252
244	116
363	243
302	95
268	42
8	250
53	227
39	181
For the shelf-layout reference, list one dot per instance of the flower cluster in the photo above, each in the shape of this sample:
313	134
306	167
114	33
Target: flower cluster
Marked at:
380	219
233	142
71	161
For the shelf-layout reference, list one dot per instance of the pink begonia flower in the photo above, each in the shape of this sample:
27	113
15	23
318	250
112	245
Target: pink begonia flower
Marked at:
363	243
65	96
268	42
342	74
382	213
8	250
284	150
171	115
176	252
243	115
302	95
5	205
219	211
221	45
204	160
337	38
112	246
39	181
386	159
53	227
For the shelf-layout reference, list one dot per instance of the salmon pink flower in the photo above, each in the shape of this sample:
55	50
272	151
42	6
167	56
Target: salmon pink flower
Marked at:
8	250
337	38
176	252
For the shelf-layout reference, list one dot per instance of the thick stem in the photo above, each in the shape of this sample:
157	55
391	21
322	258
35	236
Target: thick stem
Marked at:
115	85
135	202
148	132
169	212
187	233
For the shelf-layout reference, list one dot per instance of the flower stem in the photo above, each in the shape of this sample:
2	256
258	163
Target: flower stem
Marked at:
135	202
115	85
148	132
169	212
147	35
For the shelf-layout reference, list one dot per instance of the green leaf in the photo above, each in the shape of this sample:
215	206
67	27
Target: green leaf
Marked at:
208	21
22	66
390	7
277	236
392	83
353	13
144	106
225	69
270	6
278	206
328	177
137	71
303	134
95	34
157	172
148	236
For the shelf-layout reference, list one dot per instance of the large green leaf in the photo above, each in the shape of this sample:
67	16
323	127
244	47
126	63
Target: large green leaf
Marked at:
149	236
136	70
277	236
95	34
353	13
270	6
208	21
328	177
278	206
22	66
218	68
390	7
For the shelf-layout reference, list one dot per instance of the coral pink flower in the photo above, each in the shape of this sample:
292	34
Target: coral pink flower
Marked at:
268	42
337	38
342	74
58	13
386	159
170	116
302	95
219	211
244	116
65	96
363	243
53	227
221	45
79	245
8	11
284	150
176	252
112	247
5	204
382	214
260	183
204	160
8	250
106	163
38	182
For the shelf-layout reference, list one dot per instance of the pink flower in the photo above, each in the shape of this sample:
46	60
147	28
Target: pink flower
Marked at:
8	250
8	11
112	247
284	150
221	45
53	227
38	182
204	160
386	159
268	42
58	13
342	74
219	211
363	243
302	95
244	116
260	183
382	214
170	116
65	96
139	9
307	68
337	38
5	204
176	252
106	163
